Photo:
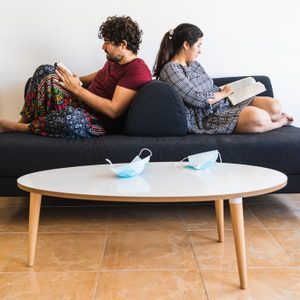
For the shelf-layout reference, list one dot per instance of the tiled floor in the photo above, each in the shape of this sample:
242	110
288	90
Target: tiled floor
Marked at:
94	250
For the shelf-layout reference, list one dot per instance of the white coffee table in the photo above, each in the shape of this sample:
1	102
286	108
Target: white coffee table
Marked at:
159	182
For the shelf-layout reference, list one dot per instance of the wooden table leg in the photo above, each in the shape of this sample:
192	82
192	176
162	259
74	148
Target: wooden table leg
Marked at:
34	215
237	219
219	208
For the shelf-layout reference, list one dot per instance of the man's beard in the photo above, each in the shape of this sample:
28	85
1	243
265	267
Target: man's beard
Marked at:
113	58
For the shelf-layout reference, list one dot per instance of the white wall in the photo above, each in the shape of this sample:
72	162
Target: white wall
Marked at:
240	38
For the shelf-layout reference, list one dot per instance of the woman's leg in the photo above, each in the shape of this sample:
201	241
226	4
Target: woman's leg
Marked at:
254	119
271	106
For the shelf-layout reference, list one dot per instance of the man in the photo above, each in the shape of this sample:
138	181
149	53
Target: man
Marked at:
78	111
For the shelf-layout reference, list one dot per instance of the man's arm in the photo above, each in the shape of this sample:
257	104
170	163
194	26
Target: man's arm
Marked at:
113	108
87	79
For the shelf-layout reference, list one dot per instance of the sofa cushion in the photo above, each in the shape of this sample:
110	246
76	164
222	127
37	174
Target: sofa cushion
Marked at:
276	149
157	110
23	153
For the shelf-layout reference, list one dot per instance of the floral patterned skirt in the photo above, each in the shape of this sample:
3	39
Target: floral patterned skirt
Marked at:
53	111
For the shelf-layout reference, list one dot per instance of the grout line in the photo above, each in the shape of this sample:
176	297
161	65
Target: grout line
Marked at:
277	243
198	266
100	264
47	272
255	216
145	270
296	268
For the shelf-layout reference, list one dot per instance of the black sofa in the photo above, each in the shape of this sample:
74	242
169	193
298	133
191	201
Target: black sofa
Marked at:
155	120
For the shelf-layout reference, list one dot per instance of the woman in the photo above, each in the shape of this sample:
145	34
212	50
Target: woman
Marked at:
57	105
207	108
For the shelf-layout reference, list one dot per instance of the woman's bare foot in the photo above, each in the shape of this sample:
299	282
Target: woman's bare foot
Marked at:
13	126
289	119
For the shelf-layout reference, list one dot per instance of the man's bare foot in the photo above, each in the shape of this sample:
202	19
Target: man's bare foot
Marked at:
13	126
23	120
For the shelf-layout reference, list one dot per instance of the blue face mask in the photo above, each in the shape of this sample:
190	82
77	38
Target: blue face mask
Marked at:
202	161
135	167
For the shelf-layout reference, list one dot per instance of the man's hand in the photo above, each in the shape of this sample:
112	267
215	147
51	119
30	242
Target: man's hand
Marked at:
70	82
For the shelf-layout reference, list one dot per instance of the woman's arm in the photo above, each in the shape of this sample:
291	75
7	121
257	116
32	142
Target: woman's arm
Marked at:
194	96
225	92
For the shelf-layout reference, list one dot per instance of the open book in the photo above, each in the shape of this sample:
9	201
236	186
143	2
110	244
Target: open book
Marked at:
244	89
59	64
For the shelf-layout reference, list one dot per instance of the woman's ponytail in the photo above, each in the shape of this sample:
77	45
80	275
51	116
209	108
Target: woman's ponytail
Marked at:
165	53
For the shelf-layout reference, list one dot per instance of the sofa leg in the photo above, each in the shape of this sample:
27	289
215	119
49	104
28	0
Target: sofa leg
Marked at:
219	208
34	215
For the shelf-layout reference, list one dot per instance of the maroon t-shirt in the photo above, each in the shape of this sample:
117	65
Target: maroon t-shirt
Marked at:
132	76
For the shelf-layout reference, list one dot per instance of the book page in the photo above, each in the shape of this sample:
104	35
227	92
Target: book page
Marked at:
246	92
239	84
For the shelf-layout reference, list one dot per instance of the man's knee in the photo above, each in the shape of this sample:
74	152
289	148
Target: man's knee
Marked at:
44	70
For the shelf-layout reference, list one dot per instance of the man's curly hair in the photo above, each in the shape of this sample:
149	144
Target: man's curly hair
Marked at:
117	29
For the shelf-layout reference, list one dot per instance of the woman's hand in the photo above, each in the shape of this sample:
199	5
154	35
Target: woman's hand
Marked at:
227	90
70	82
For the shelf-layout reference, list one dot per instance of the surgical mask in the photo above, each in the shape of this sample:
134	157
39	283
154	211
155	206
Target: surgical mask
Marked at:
202	161
134	168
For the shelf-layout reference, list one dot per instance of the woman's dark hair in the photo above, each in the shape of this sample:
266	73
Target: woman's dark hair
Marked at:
172	43
117	29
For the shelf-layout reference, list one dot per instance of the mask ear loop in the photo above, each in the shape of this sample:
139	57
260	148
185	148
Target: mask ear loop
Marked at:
109	161
111	165
219	154
177	164
145	149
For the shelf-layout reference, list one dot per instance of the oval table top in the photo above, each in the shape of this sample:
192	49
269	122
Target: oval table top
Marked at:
159	182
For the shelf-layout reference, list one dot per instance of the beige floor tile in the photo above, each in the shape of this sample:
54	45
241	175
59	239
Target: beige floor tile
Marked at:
61	252
278	215
275	284
145	218
148	254
266	199
57	201
289	240
290	200
14	201
9	244
47	286
148	285
203	217
14	219
292	197
261	248
74	219
148	250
